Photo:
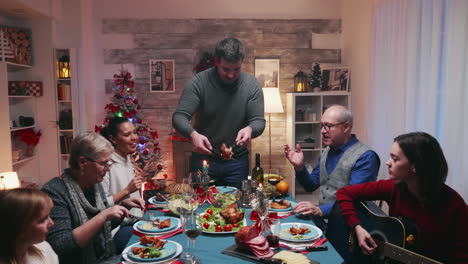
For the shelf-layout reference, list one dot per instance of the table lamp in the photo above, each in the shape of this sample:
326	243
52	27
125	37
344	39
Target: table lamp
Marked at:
9	180
272	101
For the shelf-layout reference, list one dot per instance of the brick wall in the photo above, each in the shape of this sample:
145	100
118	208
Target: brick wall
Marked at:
297	43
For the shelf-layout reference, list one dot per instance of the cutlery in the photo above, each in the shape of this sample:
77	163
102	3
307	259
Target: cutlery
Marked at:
162	197
308	248
140	218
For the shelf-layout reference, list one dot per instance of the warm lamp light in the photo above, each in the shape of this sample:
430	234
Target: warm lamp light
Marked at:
300	82
9	180
64	67
272	101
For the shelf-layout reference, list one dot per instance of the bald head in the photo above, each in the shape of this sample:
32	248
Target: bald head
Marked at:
341	113
336	124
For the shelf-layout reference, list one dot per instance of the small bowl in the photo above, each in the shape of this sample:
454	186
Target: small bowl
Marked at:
184	204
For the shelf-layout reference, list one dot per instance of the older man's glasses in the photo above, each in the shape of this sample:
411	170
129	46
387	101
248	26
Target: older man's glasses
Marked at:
105	164
328	126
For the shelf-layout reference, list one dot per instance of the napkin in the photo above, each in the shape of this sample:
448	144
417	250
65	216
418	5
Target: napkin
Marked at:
294	245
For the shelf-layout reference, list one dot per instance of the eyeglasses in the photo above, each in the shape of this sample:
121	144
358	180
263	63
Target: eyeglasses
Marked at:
328	126
105	164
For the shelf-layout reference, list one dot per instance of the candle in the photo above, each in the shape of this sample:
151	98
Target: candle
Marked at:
205	167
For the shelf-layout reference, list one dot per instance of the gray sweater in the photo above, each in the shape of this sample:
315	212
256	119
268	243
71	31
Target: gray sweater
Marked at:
222	109
66	218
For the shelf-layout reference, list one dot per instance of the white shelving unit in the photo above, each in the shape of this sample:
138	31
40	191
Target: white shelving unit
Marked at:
304	111
66	105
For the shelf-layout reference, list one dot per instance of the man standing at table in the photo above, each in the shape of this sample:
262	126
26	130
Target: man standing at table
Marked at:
345	161
229	104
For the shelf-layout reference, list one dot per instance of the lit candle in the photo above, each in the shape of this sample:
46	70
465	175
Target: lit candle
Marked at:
205	167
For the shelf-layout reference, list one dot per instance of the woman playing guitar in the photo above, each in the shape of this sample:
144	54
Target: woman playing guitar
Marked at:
415	191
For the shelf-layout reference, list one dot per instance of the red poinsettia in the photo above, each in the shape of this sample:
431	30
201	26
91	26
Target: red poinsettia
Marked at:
207	61
29	136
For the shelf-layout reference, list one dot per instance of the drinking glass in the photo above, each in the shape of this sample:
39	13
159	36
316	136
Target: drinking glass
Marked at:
192	230
272	232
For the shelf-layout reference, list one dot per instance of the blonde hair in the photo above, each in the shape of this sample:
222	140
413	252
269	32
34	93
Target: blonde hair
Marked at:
90	145
18	207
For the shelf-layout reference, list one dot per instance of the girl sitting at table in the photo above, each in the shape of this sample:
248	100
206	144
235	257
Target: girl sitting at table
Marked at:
83	218
417	192
25	222
123	180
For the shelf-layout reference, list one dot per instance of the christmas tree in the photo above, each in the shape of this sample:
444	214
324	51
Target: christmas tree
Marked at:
315	77
124	103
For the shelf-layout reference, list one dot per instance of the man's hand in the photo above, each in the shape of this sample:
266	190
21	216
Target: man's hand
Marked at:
307	208
244	136
201	144
367	244
295	157
134	203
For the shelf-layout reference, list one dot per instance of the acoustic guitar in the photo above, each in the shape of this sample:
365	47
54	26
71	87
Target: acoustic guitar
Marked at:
397	238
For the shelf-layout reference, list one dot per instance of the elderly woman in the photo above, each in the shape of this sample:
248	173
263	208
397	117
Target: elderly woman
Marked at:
121	181
82	215
25	221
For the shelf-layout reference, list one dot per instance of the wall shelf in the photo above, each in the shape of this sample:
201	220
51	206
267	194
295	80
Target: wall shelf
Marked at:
23	160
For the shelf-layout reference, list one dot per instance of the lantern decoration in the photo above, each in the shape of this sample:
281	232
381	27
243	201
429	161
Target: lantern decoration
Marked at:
64	67
300	82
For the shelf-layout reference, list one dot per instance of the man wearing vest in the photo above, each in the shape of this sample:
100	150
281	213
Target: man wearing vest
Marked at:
345	161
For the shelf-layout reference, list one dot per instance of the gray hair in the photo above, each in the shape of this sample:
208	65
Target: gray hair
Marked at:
230	49
90	145
344	115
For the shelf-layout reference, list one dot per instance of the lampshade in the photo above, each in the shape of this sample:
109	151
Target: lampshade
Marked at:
9	180
272	100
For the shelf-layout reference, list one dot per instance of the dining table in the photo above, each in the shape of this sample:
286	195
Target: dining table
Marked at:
209	246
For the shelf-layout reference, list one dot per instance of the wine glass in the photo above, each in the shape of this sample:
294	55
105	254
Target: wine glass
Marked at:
273	177
192	230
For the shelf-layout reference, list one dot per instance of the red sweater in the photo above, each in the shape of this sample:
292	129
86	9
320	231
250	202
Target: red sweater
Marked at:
443	230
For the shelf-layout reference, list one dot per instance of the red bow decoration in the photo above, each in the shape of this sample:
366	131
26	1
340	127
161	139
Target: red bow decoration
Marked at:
204	195
254	216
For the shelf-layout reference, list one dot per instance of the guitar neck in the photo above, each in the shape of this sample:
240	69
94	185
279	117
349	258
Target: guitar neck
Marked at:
403	255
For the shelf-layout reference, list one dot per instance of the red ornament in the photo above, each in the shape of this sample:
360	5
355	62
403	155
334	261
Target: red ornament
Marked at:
165	176
135	101
142	141
159	167
154	134
138	107
139	121
145	152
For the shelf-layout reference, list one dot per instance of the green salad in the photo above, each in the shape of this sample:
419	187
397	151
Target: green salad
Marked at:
225	199
212	221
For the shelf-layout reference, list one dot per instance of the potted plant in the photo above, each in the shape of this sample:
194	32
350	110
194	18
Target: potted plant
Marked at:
30	138
315	78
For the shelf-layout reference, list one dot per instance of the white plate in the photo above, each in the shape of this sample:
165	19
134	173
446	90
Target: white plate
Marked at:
153	201
135	227
314	233
287	210
223	232
127	260
175	222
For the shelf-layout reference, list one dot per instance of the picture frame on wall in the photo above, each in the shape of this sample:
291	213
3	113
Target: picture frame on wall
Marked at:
162	76
335	78
16	45
267	72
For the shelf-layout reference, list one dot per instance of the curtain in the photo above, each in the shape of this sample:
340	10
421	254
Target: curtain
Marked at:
419	78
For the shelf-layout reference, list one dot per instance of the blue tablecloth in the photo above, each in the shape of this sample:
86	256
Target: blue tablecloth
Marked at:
208	247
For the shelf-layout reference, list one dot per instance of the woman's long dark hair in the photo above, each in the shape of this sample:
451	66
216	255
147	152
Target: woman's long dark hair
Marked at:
112	129
424	152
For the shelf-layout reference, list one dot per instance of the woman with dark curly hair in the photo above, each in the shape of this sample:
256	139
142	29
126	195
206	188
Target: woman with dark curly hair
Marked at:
416	191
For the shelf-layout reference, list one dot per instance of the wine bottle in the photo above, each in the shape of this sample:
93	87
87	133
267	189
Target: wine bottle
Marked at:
257	171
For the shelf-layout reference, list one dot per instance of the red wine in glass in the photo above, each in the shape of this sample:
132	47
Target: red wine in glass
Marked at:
273	180
273	241
192	233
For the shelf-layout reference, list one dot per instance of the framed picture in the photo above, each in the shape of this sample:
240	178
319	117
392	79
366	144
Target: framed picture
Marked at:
267	72
16	45
335	78
162	78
